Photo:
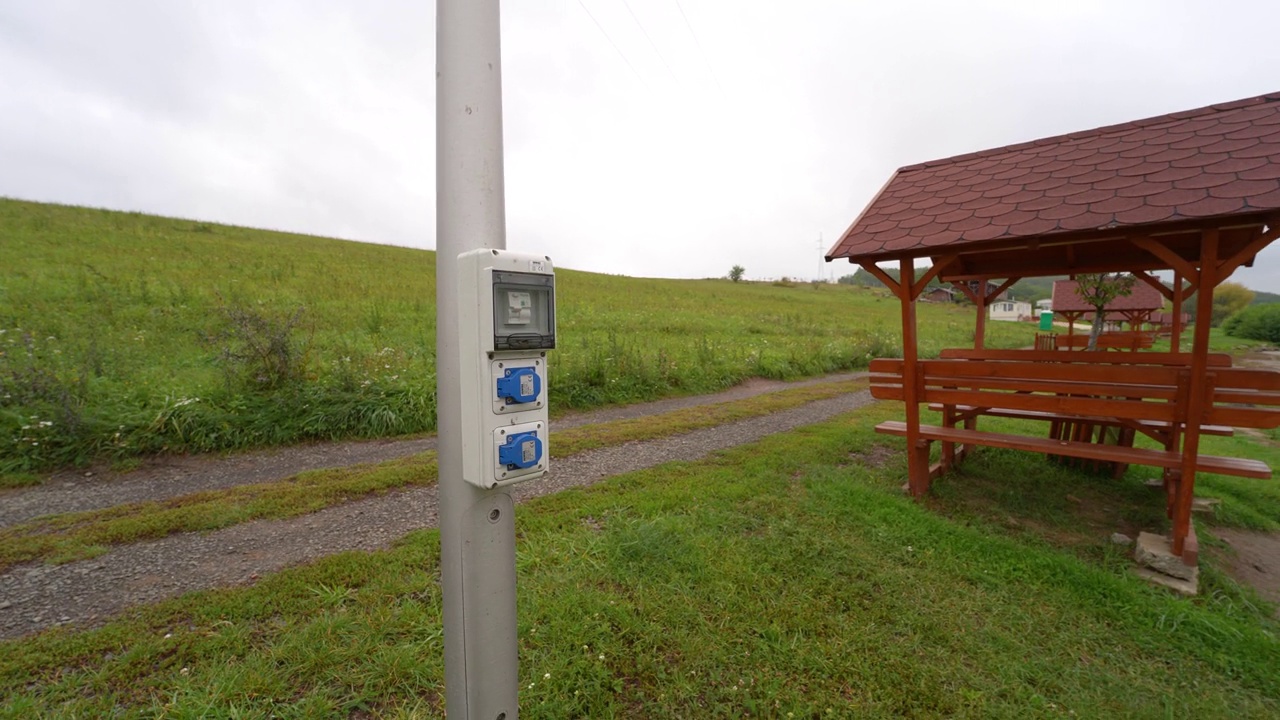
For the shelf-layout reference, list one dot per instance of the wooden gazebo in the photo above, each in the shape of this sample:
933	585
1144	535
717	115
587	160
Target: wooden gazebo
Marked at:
1195	192
1136	308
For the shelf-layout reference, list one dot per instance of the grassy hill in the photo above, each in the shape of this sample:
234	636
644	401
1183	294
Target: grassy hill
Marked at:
123	334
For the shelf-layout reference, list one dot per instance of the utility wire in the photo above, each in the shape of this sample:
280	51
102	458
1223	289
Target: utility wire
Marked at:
611	42
652	44
698	42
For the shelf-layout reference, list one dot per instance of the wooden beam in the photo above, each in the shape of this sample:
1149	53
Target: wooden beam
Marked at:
917	447
919	285
883	277
1175	261
1154	282
968	292
1200	386
1252	248
1175	332
1007	284
980	323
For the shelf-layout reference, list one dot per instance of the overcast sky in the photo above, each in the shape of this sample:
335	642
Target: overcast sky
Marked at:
644	137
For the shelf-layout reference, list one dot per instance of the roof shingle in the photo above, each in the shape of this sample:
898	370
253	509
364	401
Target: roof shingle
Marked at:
1218	160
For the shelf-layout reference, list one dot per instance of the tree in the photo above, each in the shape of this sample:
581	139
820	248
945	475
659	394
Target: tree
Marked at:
736	273
1099	290
1229	299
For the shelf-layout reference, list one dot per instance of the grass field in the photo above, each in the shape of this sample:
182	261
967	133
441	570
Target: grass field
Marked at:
123	334
786	579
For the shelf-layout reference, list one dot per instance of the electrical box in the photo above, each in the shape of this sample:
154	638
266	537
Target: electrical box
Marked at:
506	325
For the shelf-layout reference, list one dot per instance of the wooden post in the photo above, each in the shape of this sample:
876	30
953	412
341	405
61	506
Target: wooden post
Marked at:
1200	386
1175	333
980	327
917	447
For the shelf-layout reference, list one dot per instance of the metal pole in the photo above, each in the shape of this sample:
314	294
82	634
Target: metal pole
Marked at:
477	528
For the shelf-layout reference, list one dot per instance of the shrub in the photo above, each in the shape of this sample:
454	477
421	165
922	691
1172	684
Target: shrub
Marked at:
1256	322
260	349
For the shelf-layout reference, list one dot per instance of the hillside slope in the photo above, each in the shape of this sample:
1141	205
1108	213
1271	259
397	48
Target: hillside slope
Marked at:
123	333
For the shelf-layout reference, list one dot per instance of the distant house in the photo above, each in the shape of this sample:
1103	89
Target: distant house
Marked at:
1045	304
1010	310
939	295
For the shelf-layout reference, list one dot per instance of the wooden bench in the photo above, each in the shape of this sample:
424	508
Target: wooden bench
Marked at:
1240	467
1078	427
1103	386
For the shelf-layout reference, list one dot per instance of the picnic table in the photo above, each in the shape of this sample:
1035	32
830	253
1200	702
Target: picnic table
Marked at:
1095	403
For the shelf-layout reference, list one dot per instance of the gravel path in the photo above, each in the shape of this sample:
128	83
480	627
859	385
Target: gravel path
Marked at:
36	596
170	476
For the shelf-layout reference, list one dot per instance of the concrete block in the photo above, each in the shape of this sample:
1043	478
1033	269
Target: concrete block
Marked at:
1205	505
1189	588
1154	551
1121	539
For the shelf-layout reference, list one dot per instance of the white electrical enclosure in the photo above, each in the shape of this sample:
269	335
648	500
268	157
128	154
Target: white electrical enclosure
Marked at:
506	324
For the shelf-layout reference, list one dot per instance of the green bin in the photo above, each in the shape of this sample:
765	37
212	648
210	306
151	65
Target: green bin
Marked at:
1046	319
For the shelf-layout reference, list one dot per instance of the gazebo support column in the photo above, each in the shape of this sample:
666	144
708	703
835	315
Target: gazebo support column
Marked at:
980	324
1175	333
1200	386
917	447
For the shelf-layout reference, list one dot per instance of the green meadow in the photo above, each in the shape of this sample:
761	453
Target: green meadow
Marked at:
124	334
789	578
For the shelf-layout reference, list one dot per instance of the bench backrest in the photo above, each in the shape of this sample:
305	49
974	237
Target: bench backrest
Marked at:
1109	341
1083	356
1241	397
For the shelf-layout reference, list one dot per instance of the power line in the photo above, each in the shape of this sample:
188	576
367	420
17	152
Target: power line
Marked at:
611	42
698	42
653	45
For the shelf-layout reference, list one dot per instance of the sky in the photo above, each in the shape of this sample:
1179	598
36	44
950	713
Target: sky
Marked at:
661	138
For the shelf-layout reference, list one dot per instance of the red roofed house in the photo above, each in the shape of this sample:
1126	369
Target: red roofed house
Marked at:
1195	192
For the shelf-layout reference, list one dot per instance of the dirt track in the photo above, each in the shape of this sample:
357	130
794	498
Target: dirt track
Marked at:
37	596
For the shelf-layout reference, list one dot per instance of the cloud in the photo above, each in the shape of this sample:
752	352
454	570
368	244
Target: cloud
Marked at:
649	147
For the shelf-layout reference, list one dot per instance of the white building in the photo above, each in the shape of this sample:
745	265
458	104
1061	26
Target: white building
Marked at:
1011	310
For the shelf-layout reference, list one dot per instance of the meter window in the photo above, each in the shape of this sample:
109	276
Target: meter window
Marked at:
523	311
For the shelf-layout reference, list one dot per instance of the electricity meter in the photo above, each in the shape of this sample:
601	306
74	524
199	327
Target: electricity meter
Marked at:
506	325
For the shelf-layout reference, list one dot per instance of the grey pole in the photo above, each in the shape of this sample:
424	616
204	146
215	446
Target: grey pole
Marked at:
477	528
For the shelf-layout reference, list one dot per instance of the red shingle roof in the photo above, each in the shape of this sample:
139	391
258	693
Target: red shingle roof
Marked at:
1143	297
1219	160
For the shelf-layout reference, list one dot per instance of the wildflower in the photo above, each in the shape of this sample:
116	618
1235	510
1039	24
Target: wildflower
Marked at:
602	657
546	676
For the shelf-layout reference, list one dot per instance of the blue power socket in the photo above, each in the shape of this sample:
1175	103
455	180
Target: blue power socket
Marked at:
521	451
520	385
